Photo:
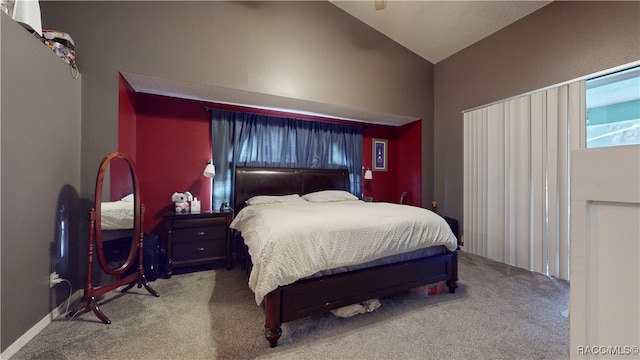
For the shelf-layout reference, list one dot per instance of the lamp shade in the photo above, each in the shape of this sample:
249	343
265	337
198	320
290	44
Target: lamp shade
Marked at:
368	175
210	170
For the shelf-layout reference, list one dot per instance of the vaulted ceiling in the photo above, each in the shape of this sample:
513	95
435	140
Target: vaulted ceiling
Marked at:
434	30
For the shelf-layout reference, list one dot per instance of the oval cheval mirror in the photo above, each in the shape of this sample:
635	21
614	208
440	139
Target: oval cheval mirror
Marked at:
115	232
118	210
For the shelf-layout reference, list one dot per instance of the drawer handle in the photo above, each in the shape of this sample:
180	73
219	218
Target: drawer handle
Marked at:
200	233
200	249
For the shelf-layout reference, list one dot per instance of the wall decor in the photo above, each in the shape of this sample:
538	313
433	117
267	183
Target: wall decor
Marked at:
379	154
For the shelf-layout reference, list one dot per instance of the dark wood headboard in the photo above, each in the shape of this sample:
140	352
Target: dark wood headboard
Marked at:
252	181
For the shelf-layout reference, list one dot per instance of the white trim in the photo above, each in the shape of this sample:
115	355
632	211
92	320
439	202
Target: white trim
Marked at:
38	327
585	77
26	337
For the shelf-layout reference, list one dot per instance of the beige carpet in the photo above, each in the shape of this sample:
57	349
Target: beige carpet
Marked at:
498	312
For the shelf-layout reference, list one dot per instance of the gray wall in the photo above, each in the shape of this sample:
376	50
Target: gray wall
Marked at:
560	42
40	158
308	50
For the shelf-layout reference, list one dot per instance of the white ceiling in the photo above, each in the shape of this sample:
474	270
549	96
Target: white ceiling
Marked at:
432	29
436	30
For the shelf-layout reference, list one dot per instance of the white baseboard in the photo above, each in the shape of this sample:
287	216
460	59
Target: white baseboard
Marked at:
39	326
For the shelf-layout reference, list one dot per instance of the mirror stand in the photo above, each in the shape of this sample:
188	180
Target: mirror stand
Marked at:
88	302
119	172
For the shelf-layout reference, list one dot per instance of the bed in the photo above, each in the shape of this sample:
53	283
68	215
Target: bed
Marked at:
293	296
117	215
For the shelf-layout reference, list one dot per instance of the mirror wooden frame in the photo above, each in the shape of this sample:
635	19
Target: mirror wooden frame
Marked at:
91	292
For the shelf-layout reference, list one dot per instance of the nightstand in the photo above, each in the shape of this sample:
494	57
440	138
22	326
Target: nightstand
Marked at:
195	239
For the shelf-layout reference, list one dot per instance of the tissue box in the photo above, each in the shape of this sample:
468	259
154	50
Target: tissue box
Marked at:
195	205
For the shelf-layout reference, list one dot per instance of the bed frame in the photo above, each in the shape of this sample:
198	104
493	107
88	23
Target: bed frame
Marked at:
314	295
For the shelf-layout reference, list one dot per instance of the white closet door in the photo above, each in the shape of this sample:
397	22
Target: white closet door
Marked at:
605	253
605	246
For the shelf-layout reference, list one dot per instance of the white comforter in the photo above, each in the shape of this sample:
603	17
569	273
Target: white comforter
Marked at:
117	215
290	241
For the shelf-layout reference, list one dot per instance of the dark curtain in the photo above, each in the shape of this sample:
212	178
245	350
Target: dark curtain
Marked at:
245	139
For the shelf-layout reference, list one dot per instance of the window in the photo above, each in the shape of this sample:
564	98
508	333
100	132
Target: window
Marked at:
613	109
251	139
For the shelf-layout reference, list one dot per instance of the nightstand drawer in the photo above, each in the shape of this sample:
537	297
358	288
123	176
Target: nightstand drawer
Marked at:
200	234
199	239
198	250
199	222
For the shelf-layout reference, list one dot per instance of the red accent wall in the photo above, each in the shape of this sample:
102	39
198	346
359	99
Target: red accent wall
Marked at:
383	185
173	143
173	147
126	118
408	156
121	181
404	163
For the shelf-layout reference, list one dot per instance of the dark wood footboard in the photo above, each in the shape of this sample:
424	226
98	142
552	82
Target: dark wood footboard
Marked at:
310	296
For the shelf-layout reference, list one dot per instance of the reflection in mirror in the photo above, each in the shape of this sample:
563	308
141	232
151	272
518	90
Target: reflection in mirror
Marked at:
115	224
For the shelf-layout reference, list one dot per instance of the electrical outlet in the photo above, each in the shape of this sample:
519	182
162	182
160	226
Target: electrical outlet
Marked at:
54	278
56	312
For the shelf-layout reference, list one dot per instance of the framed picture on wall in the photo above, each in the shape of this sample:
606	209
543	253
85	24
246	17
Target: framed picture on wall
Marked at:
379	155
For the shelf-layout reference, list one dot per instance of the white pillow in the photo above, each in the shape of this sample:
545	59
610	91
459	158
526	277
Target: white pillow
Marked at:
329	195
273	199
